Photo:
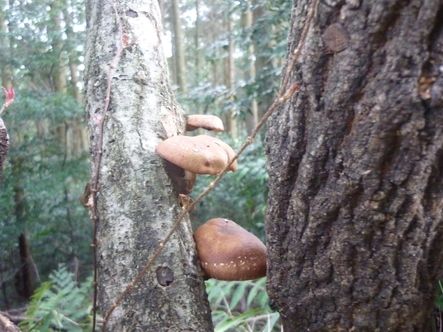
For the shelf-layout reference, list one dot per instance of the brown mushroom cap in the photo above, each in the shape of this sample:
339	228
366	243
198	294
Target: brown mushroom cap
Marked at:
198	154
205	121
229	252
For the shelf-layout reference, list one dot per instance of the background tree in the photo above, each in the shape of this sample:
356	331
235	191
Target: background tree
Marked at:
46	168
130	109
354	221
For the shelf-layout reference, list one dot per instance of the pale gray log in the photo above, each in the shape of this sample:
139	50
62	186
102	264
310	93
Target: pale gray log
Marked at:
136	202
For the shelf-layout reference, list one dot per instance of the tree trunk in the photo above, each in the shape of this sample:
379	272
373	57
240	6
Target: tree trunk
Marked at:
55	33
354	224
264	64
179	54
252	116
136	202
230	79
7	83
72	59
198	52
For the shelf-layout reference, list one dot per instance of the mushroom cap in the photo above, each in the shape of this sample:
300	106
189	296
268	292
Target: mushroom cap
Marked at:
200	154
229	252
205	121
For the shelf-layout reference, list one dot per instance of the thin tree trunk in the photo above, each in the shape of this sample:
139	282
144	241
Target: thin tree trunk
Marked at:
264	65
5	56
7	83
76	136
72	60
230	78
58	71
179	54
252	116
136	202
198	53
354	222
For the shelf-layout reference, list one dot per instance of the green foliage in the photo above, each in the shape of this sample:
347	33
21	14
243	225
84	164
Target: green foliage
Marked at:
241	306
60	304
207	90
45	171
42	182
439	297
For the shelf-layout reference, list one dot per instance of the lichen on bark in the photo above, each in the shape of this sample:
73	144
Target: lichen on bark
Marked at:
136	202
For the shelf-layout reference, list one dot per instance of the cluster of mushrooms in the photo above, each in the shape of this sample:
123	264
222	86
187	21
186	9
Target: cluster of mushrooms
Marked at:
226	251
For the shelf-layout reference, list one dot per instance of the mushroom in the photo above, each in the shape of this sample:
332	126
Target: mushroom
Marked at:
198	154
205	121
229	252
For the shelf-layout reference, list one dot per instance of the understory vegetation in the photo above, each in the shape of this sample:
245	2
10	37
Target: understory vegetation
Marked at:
62	303
232	70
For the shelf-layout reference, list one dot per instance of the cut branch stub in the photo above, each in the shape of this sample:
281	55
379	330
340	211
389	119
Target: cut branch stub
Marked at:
205	121
198	154
229	252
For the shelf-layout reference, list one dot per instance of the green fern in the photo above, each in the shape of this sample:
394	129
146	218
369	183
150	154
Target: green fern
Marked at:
241	306
60	304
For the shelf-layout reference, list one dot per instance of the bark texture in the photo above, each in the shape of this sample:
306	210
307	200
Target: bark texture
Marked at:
137	204
4	146
355	159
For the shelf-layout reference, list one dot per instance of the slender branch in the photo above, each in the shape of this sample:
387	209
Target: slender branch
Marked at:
300	44
283	96
98	155
7	324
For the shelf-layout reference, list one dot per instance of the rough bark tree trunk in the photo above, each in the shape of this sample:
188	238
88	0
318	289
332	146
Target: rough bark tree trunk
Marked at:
136	202
355	159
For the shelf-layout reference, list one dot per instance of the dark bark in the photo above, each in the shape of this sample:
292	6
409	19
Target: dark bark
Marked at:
355	229
24	278
4	146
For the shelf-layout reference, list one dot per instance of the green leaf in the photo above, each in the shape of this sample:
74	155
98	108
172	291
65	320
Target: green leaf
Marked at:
239	293
235	321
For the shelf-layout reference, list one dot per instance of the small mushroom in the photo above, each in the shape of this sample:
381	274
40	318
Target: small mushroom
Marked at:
229	252
205	121
197	154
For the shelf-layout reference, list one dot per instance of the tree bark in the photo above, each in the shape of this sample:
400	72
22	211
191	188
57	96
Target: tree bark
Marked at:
55	33
229	77
7	83
72	59
252	116
179	48
354	224
136	202
264	64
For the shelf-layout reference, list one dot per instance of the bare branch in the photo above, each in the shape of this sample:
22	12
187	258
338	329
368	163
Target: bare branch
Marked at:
7	324
99	152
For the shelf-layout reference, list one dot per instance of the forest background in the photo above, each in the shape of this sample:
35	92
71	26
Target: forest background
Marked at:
225	58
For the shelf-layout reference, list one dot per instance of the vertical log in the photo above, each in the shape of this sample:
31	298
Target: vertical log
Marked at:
137	204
